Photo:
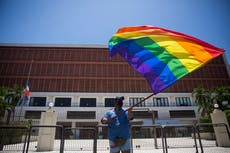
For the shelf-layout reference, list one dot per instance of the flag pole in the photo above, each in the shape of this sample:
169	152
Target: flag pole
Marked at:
134	105
28	77
140	102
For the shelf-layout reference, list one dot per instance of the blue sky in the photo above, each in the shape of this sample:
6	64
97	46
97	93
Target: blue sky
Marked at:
95	21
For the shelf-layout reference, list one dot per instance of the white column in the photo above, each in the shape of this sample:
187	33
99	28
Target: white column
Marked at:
222	137
46	135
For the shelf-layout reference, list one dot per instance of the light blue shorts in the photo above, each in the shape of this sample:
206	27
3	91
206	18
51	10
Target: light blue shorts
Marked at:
125	146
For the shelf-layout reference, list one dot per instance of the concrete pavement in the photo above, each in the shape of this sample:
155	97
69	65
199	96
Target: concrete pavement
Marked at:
175	145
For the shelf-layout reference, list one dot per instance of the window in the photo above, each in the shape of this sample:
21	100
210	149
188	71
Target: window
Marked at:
81	114
183	101
88	102
182	114
160	101
33	114
8	100
134	100
62	102
37	101
109	102
144	114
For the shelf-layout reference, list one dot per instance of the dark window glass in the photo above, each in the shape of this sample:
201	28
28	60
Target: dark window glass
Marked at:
37	101
62	102
142	114
33	114
109	102
81	114
87	102
182	114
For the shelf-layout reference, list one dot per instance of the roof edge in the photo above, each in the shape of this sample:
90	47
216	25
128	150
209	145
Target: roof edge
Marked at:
53	45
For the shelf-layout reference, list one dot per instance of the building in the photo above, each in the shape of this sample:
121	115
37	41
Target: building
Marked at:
82	81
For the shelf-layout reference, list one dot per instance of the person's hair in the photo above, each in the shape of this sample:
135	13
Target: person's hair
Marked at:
119	100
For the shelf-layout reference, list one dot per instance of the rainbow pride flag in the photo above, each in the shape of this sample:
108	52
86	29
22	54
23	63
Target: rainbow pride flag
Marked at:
162	56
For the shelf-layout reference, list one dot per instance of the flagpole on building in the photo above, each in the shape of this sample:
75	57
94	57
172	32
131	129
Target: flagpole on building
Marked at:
28	76
27	81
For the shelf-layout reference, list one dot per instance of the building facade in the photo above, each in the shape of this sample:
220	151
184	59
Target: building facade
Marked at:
82	81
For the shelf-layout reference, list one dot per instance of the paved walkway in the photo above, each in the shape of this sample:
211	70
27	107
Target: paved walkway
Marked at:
176	145
178	150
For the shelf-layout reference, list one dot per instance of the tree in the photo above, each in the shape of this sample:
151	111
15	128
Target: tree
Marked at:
204	100
3	104
14	94
9	99
222	94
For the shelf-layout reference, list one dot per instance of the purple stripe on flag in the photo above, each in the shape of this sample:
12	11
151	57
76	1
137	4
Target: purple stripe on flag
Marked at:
153	79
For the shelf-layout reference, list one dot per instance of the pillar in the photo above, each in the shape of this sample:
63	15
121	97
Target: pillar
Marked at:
222	137
46	136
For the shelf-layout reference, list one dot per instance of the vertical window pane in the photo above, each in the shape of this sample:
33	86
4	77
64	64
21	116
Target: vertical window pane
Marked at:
183	101
37	101
62	102
134	100
109	102
88	102
160	101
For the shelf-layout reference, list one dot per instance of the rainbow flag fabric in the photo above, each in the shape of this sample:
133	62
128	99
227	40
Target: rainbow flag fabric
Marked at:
162	56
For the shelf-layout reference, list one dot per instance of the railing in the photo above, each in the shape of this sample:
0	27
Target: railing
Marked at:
13	137
81	139
58	135
185	130
148	104
154	135
202	125
85	142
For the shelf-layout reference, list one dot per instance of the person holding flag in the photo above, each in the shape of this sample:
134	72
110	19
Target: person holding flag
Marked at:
160	55
118	127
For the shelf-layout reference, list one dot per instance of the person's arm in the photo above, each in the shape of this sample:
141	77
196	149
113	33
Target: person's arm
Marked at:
130	113
105	120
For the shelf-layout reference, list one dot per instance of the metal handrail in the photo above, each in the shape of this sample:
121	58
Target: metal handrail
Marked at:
46	126
179	125
209	124
196	129
87	128
18	127
152	126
